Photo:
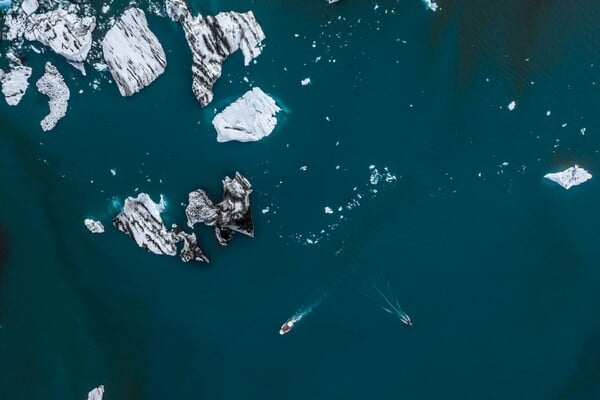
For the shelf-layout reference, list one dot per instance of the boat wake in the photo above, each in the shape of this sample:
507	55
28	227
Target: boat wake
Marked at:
300	315
388	303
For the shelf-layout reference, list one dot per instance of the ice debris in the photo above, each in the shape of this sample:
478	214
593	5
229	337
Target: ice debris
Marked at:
431	4
96	394
93	226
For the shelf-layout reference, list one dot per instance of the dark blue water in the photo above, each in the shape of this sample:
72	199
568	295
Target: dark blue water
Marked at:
496	266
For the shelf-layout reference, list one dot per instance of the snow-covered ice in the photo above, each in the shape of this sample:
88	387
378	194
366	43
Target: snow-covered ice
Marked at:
570	177
93	226
52	84
133	53
249	118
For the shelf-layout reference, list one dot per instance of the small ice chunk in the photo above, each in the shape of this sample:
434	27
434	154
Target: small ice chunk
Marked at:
431	4
113	171
548	113
96	394
570	177
305	81
93	226
328	210
303	168
512	105
265	210
29	6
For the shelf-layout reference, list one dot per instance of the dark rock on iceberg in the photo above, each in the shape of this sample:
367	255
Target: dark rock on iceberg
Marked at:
231	215
190	251
212	40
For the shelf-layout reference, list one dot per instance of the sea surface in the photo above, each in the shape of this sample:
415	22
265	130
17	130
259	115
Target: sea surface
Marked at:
436	193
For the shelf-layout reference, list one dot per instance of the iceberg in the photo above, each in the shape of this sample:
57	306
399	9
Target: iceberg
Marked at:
16	81
140	219
93	226
212	40
231	215
249	118
52	84
96	394
65	33
570	177
133	53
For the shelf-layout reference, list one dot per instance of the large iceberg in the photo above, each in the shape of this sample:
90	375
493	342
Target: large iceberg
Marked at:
231	215
570	177
212	40
65	33
249	118
16	81
133	53
141	220
53	85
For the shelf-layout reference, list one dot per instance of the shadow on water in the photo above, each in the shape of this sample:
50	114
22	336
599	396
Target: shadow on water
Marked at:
517	37
584	384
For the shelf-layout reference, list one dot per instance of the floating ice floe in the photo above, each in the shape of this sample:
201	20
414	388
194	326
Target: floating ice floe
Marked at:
93	226
231	215
96	394
140	219
212	40
431	4
511	106
375	176
133	53
64	32
305	81
16	81
570	177
249	118
53	85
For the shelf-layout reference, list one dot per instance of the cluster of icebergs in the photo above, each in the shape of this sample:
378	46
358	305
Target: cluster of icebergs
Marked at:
140	219
135	58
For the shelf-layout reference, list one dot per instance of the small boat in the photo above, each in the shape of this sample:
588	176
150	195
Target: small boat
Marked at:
285	328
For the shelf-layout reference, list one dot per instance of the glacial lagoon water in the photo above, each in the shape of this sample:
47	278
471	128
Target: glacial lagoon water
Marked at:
496	266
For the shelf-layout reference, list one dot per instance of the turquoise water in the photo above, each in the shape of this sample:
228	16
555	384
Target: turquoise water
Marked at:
496	266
